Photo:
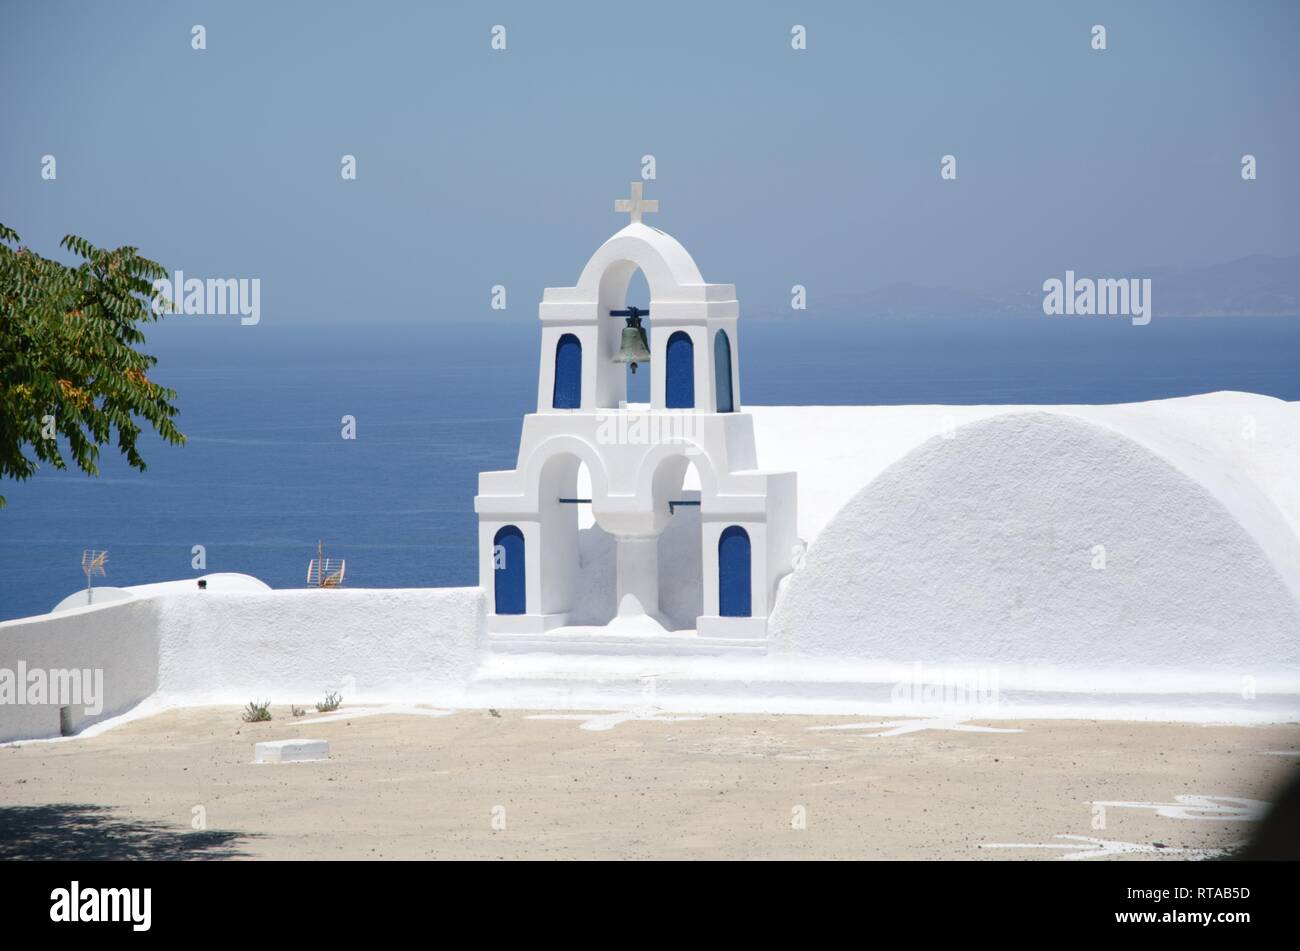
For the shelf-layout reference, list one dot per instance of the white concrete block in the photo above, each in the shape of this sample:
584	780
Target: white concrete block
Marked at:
291	751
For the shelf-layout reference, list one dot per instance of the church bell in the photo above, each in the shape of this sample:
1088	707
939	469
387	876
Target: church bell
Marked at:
635	348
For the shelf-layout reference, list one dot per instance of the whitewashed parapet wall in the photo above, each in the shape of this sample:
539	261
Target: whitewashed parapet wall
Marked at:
119	638
291	646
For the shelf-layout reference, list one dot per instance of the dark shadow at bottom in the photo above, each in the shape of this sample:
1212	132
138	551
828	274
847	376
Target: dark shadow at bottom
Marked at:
63	831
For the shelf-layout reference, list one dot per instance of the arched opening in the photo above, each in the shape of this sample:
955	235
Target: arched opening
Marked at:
510	590
734	572
722	371
593	597
679	374
567	393
638	293
558	510
622	284
667	274
677	491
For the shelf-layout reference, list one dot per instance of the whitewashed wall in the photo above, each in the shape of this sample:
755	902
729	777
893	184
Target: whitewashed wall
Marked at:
294	645
287	646
120	638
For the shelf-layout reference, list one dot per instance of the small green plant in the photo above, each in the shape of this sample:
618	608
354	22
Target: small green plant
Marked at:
257	712
297	710
495	712
332	701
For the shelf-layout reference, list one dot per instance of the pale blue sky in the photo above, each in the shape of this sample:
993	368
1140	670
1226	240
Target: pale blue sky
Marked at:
775	167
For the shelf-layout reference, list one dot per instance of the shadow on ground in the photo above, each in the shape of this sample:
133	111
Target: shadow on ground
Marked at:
77	831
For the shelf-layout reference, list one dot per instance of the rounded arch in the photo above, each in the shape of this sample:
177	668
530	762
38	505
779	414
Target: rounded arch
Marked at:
666	464
670	273
668	267
556	446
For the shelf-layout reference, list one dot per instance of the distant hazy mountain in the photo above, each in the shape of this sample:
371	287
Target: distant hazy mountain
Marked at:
1260	285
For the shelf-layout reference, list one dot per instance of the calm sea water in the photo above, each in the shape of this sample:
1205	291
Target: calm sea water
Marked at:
265	472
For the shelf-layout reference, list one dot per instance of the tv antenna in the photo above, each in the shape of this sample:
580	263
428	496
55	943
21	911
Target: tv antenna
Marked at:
325	572
92	565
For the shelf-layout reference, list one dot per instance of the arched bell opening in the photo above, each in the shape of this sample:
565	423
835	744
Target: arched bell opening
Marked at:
623	335
634	338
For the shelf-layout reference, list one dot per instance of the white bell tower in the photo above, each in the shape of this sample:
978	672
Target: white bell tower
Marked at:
682	530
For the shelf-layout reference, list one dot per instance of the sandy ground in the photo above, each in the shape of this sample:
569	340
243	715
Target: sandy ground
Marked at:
419	786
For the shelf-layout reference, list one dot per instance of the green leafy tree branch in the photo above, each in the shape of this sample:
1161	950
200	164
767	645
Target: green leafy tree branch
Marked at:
69	363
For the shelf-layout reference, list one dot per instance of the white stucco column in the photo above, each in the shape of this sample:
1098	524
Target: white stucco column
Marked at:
638	576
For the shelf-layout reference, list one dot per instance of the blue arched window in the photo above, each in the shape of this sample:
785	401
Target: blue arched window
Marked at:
509	575
722	371
679	378
568	373
733	572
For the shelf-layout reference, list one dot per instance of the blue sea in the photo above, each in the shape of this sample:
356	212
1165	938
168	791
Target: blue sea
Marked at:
266	473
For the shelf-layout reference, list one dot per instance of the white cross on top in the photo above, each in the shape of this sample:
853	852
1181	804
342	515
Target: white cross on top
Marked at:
637	205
